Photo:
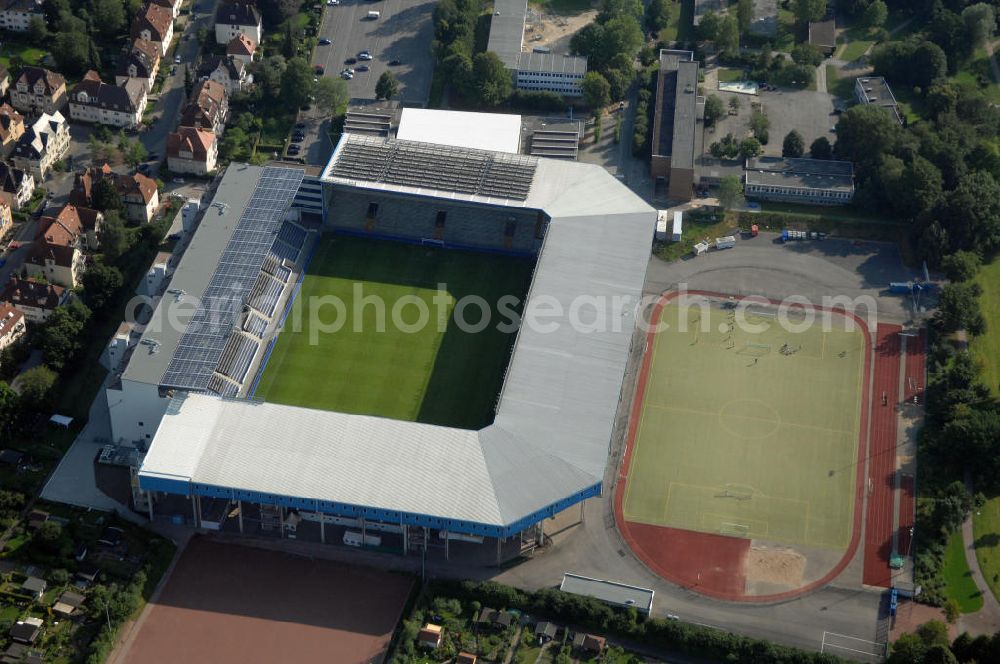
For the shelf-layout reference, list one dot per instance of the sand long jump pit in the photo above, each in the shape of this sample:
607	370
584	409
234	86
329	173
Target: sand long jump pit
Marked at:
230	603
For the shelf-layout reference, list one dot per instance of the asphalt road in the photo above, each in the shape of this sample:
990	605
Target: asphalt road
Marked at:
404	32
167	110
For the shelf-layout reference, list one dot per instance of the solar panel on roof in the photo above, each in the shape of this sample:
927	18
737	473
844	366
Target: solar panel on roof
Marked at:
201	346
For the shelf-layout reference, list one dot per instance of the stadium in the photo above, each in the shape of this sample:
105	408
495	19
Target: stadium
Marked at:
253	418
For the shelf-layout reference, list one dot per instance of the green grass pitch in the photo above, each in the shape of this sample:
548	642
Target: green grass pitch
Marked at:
746	440
438	374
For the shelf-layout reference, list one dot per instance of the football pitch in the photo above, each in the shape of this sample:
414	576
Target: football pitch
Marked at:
746	433
394	366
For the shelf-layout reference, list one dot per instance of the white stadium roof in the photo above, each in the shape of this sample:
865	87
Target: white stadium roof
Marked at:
479	131
548	445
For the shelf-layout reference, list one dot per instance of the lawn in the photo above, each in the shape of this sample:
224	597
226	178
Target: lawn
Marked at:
986	530
730	75
564	6
977	73
749	432
854	49
696	227
402	363
28	55
958	579
835	85
986	347
670	32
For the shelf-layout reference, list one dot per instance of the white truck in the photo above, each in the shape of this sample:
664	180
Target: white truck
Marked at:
374	15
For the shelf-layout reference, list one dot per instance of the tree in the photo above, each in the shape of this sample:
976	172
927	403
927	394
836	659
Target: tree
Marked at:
275	12
622	34
914	61
268	74
289	48
457	70
72	52
730	191
135	153
807	54
864	133
100	284
980	22
734	104
115	238
588	40
875	15
332	95
596	90
492	81
728	38
34	385
808	10
61	335
657	15
109	16
958	308
387	86
793	145
708	27
37	32
9	407
750	148
297	83
971	213
713	110
744	14
759	124
105	197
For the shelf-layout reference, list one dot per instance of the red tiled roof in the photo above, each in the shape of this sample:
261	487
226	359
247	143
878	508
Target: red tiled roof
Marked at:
9	317
241	45
190	139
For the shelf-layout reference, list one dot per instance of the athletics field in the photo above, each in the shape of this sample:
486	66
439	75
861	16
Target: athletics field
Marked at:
750	434
434	373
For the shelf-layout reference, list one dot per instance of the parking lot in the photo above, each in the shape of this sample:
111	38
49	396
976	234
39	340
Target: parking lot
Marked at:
403	32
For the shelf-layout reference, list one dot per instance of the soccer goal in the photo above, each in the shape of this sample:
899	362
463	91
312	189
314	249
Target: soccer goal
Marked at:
754	350
735	492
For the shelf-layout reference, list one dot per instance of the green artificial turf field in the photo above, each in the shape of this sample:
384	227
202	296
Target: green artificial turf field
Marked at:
739	438
438	374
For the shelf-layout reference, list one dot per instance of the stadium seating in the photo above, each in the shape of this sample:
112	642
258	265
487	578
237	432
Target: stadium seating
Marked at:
265	294
237	356
222	387
255	325
292	235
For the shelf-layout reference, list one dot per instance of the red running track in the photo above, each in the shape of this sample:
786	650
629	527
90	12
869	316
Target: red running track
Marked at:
882	460
916	362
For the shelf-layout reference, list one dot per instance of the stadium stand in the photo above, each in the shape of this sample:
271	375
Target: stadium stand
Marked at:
222	387
292	235
255	325
265	294
237	356
284	252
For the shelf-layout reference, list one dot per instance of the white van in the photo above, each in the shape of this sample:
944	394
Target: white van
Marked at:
374	15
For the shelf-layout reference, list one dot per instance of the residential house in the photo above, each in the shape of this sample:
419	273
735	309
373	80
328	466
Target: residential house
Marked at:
430	636
173	5
141	61
18	653
38	90
466	658
68	603
16	15
138	192
208	107
486	618
11	129
42	145
27	630
545	631
16	186
156	24
4	81
238	17
823	35
12	325
6	217
34	586
57	252
242	48
94	101
36	300
589	643
192	150
227	71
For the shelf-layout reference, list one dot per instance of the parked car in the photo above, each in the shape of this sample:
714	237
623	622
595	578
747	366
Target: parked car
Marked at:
365	55
350	61
300	125
319	69
177	59
332	3
361	68
325	42
178	180
394	62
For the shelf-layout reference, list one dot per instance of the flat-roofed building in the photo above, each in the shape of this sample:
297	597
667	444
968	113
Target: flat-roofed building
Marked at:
875	91
675	123
811	181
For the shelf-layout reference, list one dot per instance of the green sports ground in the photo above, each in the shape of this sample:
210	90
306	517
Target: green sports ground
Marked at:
751	434
437	374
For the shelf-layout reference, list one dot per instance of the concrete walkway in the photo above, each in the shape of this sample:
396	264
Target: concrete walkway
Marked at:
987	619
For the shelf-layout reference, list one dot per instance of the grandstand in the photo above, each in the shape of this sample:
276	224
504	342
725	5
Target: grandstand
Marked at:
547	445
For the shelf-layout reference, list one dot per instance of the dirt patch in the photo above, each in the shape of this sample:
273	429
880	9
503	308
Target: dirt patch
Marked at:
911	615
783	567
554	31
226	603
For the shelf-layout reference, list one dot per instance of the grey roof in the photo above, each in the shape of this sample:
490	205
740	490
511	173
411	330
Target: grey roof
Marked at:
823	33
876	92
507	30
611	592
193	274
552	62
803	173
676	108
550	436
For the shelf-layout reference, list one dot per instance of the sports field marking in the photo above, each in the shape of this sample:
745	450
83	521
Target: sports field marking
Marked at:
783	424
